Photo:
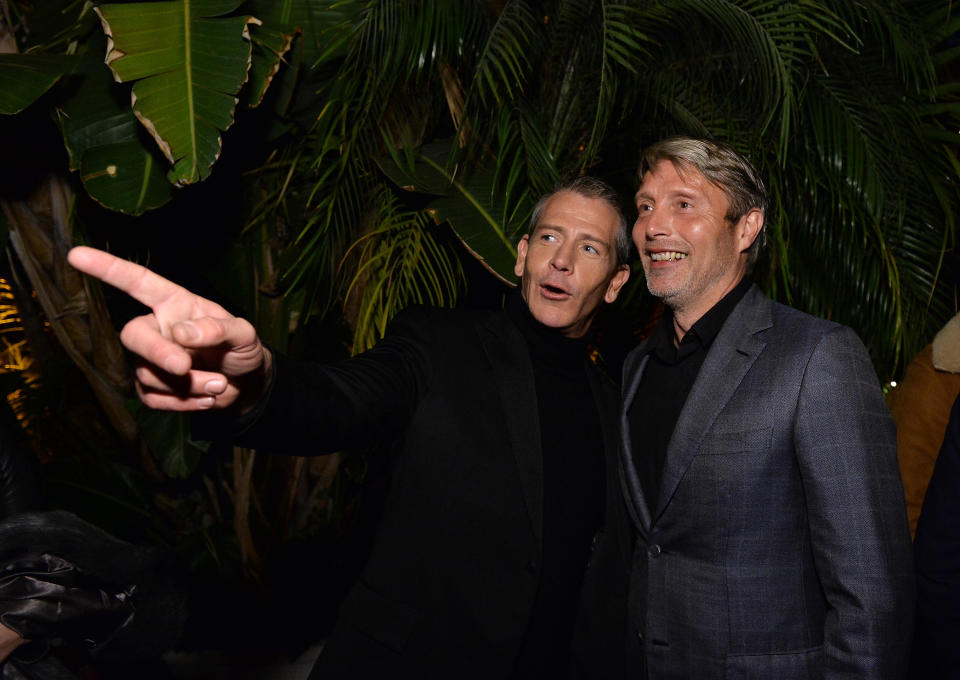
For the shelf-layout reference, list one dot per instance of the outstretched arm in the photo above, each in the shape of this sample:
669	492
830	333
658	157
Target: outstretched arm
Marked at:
192	354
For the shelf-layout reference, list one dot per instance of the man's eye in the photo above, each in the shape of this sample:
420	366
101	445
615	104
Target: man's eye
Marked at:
548	237
686	204
592	250
644	207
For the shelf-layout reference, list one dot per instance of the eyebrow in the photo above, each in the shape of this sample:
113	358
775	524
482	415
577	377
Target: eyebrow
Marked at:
589	236
672	194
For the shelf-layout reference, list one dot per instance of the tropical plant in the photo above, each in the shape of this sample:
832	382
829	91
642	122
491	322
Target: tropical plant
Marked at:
396	143
470	110
119	139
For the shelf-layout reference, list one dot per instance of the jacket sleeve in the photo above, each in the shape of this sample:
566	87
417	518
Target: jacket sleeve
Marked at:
314	409
846	449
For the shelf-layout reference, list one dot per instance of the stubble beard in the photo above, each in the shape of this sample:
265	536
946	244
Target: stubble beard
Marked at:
681	294
666	291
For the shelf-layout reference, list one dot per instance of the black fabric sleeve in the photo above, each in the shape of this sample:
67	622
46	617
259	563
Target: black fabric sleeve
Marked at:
320	408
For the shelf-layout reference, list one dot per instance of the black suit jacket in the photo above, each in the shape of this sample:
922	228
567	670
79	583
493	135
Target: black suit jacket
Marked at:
451	580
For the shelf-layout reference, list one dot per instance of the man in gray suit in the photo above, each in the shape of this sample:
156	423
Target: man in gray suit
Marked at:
760	470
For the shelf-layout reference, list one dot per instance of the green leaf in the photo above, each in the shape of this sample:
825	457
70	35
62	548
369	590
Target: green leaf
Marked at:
400	262
270	48
97	112
168	435
504	64
126	177
119	165
477	212
24	77
320	31
188	69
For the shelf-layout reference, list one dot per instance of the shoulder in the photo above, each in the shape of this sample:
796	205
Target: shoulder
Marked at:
827	352
794	327
445	328
793	337
793	320
812	329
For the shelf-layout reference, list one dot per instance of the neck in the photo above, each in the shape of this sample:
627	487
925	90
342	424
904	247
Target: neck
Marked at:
545	337
684	317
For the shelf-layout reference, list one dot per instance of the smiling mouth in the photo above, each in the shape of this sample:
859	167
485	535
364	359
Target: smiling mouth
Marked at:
667	256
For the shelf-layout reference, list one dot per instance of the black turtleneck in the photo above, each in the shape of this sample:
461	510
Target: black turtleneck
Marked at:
573	488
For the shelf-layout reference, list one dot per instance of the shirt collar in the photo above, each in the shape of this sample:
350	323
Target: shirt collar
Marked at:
702	333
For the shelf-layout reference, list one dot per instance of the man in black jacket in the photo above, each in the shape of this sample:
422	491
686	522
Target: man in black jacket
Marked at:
505	449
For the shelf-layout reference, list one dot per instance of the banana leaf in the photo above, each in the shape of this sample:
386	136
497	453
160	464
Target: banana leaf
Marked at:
25	77
119	165
188	67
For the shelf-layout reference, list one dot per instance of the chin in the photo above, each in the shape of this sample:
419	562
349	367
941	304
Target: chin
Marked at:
550	319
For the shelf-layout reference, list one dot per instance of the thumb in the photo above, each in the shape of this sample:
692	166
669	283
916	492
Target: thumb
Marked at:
231	333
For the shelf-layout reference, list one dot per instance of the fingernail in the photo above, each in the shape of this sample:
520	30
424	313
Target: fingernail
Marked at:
205	402
215	386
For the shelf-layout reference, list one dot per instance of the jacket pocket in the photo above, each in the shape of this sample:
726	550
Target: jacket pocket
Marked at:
805	664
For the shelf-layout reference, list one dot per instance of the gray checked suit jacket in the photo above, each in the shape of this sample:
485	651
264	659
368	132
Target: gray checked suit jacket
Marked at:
779	547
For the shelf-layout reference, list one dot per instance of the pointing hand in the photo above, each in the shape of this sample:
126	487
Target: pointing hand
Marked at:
192	354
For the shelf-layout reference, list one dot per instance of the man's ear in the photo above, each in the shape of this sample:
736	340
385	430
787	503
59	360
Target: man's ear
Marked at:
521	255
617	282
749	227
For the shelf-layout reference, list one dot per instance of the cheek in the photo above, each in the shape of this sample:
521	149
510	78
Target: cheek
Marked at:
525	287
704	233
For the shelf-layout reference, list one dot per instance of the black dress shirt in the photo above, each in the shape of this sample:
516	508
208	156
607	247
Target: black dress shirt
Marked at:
667	379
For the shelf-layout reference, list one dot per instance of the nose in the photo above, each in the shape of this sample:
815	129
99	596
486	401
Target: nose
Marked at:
562	259
650	224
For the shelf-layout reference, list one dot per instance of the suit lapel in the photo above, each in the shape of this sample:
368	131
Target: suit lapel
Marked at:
632	488
513	374
731	355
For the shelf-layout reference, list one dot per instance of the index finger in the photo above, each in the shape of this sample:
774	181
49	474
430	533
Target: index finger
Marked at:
136	281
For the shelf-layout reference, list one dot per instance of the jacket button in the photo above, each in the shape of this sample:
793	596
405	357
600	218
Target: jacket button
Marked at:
654	551
531	567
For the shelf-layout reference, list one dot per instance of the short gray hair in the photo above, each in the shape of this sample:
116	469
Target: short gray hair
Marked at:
592	187
723	167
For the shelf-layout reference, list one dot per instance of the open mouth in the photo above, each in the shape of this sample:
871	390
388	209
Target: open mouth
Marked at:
552	292
667	256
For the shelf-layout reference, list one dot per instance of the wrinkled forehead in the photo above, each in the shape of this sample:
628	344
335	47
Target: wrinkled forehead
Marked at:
573	210
690	175
687	171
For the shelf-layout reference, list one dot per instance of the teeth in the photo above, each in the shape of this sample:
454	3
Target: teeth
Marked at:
668	256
